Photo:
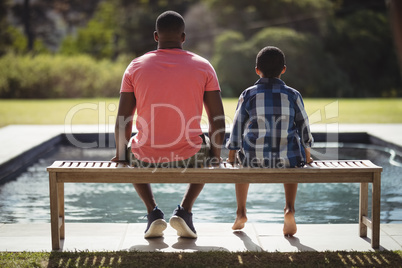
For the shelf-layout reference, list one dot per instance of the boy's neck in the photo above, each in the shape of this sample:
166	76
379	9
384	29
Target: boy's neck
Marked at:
262	76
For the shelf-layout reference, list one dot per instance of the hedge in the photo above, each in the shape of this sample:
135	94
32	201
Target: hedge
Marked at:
57	76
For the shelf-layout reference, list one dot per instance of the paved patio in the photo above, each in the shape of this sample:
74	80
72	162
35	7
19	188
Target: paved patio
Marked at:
211	236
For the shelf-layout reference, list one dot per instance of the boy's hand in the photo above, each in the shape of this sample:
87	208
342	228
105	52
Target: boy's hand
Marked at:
309	159
116	159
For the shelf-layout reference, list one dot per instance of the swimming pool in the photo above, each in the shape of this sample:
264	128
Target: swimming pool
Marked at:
26	199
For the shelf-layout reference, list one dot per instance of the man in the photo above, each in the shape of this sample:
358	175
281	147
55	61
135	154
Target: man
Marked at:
168	87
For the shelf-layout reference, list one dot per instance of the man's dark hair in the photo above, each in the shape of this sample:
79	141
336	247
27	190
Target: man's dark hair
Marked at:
170	22
270	61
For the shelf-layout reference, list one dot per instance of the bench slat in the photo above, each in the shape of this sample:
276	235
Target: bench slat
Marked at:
94	166
82	164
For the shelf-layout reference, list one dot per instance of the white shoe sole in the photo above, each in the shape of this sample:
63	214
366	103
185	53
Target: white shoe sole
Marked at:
181	227
156	229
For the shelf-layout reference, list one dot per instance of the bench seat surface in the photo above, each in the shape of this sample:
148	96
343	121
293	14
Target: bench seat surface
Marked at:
318	171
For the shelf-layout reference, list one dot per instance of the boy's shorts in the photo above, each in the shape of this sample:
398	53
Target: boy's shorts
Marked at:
200	159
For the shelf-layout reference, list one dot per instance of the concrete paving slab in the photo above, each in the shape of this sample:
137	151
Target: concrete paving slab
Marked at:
211	237
17	139
391	133
94	237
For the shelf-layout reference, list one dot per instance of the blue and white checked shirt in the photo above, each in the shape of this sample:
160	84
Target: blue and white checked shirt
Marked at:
270	127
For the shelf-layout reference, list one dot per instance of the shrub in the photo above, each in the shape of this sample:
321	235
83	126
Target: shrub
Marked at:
233	63
310	69
48	76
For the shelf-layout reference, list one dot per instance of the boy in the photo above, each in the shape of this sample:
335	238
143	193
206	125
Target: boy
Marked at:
270	130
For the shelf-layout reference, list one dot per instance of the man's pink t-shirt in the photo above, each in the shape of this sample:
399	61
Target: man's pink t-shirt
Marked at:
169	86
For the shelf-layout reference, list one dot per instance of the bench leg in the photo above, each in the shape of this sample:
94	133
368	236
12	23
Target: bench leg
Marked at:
54	211
363	208
60	191
375	213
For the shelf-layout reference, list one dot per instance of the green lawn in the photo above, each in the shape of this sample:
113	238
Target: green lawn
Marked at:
103	111
201	259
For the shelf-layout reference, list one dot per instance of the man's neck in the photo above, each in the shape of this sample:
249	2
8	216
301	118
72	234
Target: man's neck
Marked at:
169	45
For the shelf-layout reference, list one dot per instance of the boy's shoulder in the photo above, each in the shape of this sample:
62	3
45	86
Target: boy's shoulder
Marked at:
272	86
292	90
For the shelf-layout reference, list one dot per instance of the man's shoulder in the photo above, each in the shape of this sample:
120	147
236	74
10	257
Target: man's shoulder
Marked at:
145	56
141	58
196	57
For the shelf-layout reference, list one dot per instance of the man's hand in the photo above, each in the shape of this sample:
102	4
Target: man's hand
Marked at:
232	157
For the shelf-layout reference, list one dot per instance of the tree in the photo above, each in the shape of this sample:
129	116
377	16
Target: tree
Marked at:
5	38
310	70
120	26
250	16
362	46
97	38
33	17
395	8
233	63
137	22
45	20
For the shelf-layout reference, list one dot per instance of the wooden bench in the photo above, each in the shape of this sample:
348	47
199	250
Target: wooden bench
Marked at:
357	171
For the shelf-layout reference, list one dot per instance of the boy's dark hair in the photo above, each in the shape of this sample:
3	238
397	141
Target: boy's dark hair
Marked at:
170	22
270	61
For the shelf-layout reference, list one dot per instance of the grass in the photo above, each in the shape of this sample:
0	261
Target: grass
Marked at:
201	259
57	111
103	111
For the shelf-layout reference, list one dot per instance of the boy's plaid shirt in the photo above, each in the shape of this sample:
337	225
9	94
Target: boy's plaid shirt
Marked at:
271	126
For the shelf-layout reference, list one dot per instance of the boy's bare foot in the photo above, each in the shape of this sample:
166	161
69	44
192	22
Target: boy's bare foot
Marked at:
289	226
239	222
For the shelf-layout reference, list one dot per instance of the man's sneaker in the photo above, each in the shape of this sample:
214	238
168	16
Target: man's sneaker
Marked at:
182	221
156	224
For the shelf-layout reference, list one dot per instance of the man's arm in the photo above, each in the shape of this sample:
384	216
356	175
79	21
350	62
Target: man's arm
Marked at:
124	123
232	157
216	117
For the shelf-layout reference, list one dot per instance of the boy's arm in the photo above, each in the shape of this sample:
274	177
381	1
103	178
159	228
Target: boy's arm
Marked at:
124	123
216	118
302	123
308	156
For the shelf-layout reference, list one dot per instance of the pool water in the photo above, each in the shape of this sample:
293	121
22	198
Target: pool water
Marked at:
26	199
